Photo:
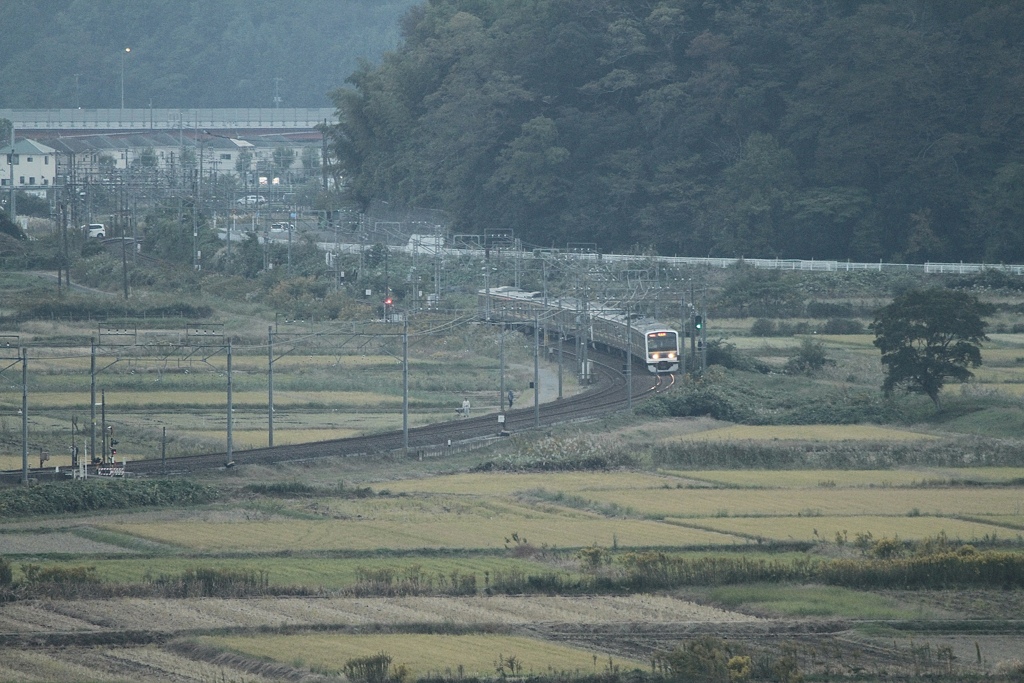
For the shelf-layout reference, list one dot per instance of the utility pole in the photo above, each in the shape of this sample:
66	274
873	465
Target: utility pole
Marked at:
704	333
405	381
693	333
13	204
24	415
561	335
231	409
92	398
629	360
536	370
103	426
501	362
270	386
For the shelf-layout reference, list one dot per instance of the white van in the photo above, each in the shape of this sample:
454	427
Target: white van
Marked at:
96	230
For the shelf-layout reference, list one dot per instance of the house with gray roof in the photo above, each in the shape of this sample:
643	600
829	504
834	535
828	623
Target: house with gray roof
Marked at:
30	167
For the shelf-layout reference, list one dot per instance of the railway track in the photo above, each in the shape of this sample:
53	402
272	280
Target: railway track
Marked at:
608	394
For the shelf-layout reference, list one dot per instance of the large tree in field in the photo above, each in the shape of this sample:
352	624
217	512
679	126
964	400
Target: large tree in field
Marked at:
928	337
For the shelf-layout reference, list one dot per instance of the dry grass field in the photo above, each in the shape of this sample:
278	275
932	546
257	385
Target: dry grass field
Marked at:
812	529
448	531
816	502
455	655
803	433
799	479
438	525
506	483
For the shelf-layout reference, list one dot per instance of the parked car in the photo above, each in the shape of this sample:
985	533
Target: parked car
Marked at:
96	230
252	200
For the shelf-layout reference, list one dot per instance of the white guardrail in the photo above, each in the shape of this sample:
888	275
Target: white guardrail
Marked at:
707	261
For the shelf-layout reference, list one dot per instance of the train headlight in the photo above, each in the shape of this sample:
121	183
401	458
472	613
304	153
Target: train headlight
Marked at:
671	354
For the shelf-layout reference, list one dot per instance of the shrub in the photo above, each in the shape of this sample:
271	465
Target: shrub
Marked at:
763	327
721	352
808	359
204	582
842	326
791	329
705	400
6	574
822	309
85	495
704	659
576	452
34	574
374	669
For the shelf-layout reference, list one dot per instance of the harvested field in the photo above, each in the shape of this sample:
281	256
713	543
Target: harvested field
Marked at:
474	655
328	573
453	532
817	502
51	543
506	483
803	433
784	479
188	615
133	400
826	528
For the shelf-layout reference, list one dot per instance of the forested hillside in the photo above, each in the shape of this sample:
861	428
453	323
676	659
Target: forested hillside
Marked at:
187	53
888	129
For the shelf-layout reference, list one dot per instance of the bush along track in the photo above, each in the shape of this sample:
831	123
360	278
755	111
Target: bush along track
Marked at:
91	495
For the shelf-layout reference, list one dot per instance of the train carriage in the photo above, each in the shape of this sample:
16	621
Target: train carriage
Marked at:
654	344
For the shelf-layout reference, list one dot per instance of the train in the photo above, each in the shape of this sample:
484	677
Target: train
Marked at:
650	342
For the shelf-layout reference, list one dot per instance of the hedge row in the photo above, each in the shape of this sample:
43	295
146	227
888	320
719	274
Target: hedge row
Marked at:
88	495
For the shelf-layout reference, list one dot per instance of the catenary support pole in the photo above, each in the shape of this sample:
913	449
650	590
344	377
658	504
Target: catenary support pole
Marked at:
536	371
405	382
231	406
24	415
561	335
92	398
629	360
270	386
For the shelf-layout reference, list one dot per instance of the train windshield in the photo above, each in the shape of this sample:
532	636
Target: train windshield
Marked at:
661	341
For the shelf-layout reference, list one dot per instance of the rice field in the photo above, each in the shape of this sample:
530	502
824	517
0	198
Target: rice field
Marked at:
802	433
816	502
798	479
507	483
134	400
459	532
470	655
314	572
813	529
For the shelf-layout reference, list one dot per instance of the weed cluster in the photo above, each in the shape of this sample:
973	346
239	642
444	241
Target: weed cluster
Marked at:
413	580
964	452
574	452
84	308
298	489
91	494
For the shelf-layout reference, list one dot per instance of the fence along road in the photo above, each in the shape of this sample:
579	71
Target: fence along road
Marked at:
805	265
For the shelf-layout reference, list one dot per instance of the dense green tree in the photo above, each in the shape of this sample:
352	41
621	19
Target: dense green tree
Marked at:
858	130
9	227
928	337
190	53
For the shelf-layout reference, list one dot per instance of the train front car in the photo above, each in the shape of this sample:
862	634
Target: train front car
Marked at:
662	350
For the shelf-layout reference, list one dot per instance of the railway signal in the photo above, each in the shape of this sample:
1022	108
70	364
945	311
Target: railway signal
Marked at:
698	323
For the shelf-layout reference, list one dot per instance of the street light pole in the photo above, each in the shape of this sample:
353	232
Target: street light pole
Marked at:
126	51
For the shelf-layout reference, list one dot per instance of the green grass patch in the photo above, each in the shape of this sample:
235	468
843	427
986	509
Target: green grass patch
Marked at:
326	573
812	601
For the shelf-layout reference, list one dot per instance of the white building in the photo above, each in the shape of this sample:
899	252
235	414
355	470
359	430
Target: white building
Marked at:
31	167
